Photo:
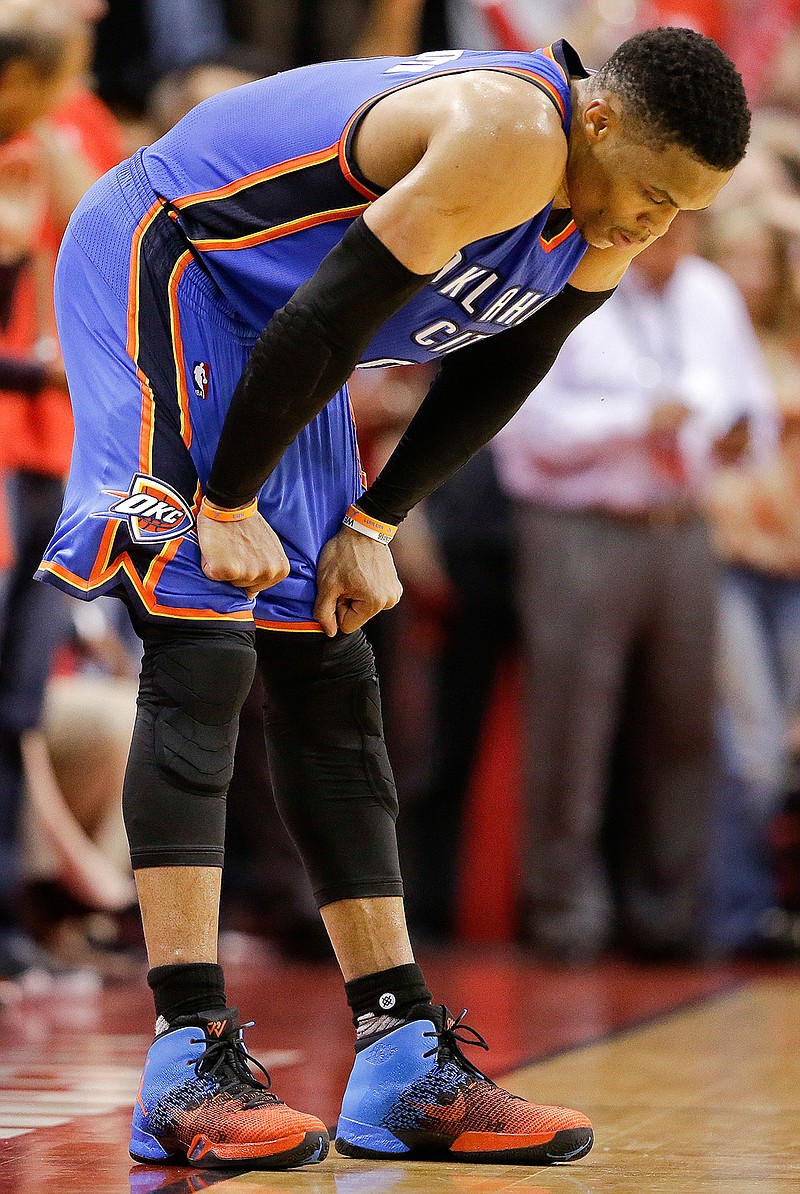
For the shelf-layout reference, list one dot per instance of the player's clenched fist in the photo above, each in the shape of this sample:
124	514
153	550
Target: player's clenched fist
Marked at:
248	553
356	579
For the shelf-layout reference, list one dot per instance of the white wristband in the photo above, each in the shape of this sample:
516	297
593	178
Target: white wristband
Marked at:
357	520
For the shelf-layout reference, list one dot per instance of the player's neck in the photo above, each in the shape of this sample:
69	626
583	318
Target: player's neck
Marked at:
578	89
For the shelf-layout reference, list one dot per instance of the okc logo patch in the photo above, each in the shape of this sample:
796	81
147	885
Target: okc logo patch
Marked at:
154	512
201	375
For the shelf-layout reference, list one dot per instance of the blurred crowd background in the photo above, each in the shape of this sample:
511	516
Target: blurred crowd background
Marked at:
592	684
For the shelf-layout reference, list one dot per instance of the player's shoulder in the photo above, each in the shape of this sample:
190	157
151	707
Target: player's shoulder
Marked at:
493	103
503	124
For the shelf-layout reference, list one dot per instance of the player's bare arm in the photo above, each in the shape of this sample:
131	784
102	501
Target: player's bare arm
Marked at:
461	157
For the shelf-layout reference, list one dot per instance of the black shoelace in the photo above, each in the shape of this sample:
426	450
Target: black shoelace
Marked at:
226	1060
448	1042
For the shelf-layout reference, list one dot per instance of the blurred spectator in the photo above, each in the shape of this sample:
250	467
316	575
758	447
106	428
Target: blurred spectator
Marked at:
468	581
76	850
391	27
752	32
43	76
598	28
761	36
184	32
140	40
616	587
756	516
296	32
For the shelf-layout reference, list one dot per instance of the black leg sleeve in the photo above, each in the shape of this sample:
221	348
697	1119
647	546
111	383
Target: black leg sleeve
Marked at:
192	686
333	783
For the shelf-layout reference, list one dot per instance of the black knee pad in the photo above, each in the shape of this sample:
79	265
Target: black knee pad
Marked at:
191	690
202	686
333	782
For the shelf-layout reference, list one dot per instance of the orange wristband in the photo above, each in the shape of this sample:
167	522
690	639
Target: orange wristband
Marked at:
357	520
219	514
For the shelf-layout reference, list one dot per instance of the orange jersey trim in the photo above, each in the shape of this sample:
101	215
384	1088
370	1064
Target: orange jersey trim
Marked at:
177	345
132	345
281	230
344	165
559	238
103	571
248	180
290	627
133	279
548	53
149	601
538	81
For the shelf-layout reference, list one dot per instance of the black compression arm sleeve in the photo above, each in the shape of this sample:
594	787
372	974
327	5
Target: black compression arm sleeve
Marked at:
475	393
304	355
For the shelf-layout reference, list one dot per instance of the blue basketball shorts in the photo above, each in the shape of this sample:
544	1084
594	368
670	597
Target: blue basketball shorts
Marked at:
153	353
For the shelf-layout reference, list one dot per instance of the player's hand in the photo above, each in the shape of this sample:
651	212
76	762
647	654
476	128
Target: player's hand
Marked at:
247	554
356	579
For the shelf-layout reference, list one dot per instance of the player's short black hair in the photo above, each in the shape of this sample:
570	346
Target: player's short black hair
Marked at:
684	90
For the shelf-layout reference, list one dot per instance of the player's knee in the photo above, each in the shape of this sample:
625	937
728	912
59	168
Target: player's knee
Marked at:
323	702
181	757
199	687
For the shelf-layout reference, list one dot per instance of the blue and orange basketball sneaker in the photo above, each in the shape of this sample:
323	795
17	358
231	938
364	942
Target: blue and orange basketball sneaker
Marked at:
413	1094
200	1104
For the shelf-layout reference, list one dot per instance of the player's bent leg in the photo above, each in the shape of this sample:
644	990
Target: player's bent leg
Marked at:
333	783
198	1100
412	1093
192	686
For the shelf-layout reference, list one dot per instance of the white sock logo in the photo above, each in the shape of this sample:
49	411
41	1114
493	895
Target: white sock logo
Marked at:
387	1001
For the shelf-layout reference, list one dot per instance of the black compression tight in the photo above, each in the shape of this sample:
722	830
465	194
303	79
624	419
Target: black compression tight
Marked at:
333	782
331	775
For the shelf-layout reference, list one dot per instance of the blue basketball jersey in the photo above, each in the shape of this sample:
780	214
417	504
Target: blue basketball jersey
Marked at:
171	266
263	182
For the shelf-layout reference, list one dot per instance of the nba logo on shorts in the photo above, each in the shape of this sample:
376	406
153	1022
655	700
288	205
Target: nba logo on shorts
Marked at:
201	371
154	512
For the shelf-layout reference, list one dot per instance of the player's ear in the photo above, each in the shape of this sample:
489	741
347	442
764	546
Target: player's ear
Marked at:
599	118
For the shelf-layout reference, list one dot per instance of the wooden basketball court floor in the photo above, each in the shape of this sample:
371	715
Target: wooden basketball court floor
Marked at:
691	1076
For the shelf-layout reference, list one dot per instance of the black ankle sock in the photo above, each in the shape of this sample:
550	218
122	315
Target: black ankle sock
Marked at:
387	993
187	988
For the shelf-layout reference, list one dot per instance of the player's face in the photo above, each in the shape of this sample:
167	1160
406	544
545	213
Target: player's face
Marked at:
623	192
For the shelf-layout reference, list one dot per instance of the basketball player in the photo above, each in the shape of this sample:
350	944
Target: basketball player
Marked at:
214	294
